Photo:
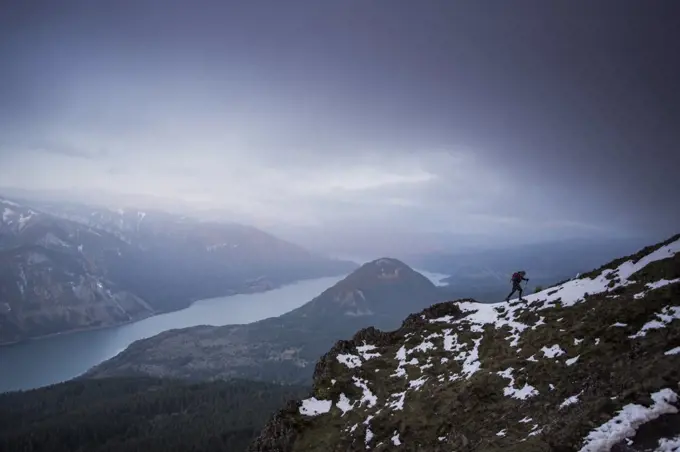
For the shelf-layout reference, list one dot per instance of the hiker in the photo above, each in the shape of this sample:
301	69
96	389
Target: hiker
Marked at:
517	279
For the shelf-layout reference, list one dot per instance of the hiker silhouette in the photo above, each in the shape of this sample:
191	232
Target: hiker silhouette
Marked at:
517	279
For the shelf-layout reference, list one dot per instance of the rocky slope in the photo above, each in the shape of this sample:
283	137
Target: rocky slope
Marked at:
53	278
67	267
284	348
174	258
592	364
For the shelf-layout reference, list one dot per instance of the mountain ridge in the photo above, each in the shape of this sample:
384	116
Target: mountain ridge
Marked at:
482	274
590	364
94	261
282	348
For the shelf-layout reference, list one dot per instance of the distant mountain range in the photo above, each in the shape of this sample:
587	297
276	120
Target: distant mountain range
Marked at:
71	266
283	349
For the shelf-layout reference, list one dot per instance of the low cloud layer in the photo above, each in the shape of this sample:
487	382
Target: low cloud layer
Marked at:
542	120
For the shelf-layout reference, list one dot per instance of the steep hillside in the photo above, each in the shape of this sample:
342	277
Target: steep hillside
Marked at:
53	276
67	267
379	293
133	414
590	365
175	259
43	291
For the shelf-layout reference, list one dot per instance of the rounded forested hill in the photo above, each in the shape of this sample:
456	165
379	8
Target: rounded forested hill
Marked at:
385	289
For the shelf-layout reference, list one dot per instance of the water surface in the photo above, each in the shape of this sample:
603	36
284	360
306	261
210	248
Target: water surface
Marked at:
61	357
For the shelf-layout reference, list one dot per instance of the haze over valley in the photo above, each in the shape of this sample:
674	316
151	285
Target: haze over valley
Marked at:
339	226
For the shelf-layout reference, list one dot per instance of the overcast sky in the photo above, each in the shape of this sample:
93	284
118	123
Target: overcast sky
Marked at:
520	118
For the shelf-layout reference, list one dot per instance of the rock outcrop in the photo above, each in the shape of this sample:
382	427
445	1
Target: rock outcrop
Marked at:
592	364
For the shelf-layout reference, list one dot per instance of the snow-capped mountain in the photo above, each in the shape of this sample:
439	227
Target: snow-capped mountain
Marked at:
23	225
45	291
592	364
54	275
230	243
49	250
14	217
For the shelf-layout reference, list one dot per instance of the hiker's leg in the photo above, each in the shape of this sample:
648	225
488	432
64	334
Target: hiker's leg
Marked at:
515	288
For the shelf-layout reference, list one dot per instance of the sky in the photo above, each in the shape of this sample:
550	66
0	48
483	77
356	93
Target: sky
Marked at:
353	121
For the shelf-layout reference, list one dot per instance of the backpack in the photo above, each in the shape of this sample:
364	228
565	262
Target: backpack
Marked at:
516	277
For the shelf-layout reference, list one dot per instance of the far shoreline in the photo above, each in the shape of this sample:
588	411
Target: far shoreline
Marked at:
268	288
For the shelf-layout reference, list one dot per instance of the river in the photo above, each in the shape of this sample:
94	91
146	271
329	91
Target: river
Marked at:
54	359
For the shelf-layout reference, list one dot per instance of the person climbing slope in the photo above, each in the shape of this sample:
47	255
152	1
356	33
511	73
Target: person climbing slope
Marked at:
517	279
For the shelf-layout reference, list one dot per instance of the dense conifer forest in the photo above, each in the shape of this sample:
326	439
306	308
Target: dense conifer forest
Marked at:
133	414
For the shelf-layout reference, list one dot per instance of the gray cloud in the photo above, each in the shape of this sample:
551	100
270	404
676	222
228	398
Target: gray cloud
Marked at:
519	120
58	148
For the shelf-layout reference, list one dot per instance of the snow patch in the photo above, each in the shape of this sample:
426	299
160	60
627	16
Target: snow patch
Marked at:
472	364
395	439
423	347
368	396
7	214
417	384
661	283
570	400
668	445
572	361
510	391
666	316
314	407
23	220
369	436
536	431
397	404
553	351
629	418
364	349
9	203
344	404
349	360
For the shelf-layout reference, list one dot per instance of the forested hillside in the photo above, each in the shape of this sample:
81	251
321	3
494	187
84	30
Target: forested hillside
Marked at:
133	414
